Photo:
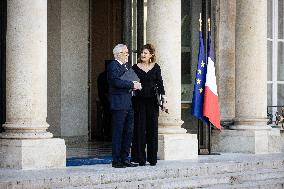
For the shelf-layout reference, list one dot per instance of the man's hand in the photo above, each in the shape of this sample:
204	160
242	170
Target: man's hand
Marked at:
137	85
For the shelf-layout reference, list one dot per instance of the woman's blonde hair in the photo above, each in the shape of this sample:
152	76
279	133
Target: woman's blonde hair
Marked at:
151	49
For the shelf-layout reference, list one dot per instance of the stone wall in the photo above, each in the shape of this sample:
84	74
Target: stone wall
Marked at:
54	66
74	66
68	27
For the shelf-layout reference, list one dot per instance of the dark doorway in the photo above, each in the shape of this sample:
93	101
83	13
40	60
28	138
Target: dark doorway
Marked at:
3	23
110	23
106	30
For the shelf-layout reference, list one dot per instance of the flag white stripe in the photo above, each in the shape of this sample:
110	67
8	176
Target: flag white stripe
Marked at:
210	77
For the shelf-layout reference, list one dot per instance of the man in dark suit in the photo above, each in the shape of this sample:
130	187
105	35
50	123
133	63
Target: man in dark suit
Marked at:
105	116
120	94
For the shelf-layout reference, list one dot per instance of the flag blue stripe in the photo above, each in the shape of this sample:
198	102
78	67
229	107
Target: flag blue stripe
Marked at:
199	84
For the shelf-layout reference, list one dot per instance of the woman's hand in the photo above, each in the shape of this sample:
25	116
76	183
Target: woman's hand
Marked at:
137	85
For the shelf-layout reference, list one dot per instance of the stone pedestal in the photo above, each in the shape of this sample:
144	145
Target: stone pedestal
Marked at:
163	31
32	153
241	141
177	146
26	144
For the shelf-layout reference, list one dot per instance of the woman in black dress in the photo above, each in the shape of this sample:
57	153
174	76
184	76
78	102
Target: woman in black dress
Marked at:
146	108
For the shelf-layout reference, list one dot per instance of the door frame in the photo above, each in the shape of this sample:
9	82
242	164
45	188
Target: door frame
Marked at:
125	38
3	29
98	53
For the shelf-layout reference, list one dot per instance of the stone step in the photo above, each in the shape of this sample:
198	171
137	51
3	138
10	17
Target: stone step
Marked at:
215	169
227	180
241	179
263	184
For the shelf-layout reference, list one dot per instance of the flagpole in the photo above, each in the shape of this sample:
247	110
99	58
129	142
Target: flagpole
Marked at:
209	24
200	23
209	126
198	122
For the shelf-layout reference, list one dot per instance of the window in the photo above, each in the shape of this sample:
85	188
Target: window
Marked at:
275	53
190	11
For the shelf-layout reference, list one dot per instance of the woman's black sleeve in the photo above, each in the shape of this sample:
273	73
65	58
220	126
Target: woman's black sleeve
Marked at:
160	81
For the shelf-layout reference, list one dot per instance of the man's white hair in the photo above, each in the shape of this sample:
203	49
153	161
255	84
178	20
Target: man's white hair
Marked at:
118	48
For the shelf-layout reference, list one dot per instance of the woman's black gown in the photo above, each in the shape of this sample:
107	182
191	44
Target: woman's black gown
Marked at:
146	112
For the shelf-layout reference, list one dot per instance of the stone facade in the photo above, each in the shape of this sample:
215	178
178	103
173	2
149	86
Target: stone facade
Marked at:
26	143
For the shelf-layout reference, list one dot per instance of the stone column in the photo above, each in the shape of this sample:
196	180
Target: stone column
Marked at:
26	144
250	132
164	32
225	57
251	63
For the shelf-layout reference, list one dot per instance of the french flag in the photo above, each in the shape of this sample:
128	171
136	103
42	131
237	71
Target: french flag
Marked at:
210	104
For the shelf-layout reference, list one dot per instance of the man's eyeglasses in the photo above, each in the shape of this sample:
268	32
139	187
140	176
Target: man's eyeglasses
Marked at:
124	52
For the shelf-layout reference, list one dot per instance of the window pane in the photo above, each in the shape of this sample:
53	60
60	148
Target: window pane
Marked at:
280	19
190	10
280	94
186	76
269	18
185	23
269	94
280	65
185	68
269	60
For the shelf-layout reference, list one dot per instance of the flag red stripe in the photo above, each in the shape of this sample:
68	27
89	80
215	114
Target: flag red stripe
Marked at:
211	108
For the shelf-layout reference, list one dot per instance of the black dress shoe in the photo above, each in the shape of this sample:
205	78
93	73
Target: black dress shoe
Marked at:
118	165
129	164
134	160
142	163
153	164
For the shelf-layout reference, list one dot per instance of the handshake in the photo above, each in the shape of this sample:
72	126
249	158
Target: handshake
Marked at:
137	85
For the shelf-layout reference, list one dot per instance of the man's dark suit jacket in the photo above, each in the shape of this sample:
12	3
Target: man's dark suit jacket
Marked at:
119	93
